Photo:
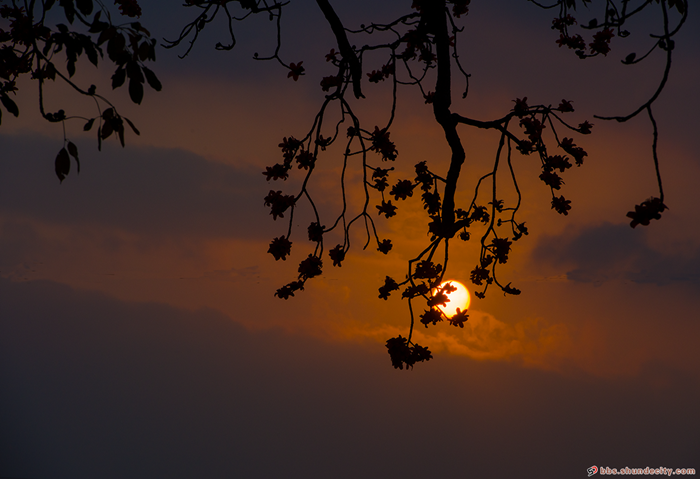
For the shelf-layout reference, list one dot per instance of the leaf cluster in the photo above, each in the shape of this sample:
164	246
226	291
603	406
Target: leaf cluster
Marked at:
32	46
418	52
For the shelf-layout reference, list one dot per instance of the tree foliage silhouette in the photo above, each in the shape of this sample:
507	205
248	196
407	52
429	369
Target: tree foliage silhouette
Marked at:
421	50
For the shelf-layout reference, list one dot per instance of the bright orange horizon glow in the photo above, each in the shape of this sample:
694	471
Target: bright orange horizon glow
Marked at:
457	299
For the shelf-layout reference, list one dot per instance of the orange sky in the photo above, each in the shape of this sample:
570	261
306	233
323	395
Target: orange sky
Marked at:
163	245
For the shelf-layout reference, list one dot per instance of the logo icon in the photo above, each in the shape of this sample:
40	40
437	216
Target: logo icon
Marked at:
592	470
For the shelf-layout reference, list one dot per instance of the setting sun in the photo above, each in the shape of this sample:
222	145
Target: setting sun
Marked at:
458	299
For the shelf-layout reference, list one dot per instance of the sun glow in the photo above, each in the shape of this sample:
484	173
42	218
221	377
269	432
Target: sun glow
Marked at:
457	299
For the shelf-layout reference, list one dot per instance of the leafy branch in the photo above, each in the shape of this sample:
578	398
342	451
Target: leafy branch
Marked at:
419	53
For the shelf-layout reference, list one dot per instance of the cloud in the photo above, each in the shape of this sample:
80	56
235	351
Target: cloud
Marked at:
96	387
532	342
607	251
143	190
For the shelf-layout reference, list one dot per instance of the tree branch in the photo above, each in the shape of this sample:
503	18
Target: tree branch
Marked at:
344	46
437	23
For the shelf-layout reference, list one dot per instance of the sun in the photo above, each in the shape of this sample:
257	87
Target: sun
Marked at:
457	299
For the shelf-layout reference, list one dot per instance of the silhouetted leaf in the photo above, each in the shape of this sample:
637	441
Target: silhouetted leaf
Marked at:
133	71
101	28
629	58
9	104
280	248
115	46
427	269
120	133
91	52
118	126
401	352
310	267
69	9
144	51
680	6
136	91
50	71
56	117
85	6
106	34
152	79
89	124
62	164
132	126
337	254
389	286
278	203
47	46
138	27
73	150
385	246
431	316
650	209
459	318
387	209
118	78
315	232
288	290
106	129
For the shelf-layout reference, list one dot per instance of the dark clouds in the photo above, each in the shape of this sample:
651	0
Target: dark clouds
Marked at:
607	251
95	387
146	191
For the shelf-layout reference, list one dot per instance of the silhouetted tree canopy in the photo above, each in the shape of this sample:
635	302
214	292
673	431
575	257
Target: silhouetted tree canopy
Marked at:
420	49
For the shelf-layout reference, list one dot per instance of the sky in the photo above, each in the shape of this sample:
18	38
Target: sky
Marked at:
139	334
